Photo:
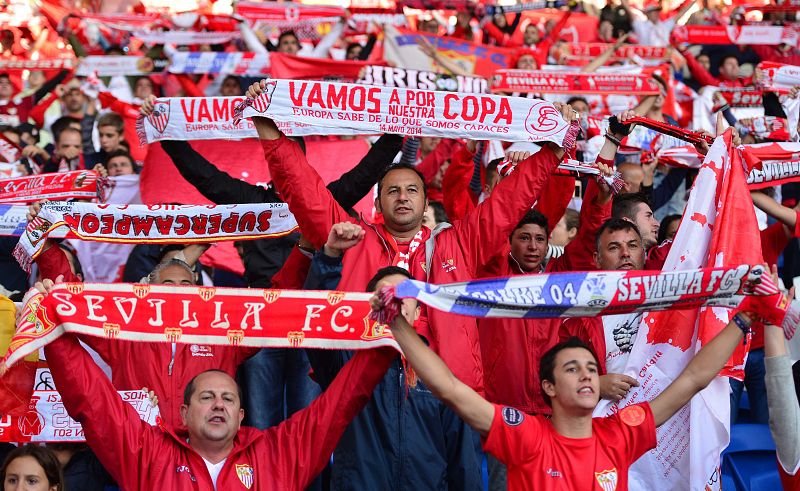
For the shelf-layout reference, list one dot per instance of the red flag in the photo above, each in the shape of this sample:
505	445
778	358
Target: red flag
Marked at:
283	65
243	159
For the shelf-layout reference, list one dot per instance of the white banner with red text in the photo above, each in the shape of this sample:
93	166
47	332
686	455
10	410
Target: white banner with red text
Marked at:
159	224
109	66
46	419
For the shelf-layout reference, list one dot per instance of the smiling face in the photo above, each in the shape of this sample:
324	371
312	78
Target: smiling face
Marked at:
529	247
214	412
620	250
576	381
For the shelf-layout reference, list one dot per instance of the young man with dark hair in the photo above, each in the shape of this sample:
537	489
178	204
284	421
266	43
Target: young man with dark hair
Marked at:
635	207
120	163
571	450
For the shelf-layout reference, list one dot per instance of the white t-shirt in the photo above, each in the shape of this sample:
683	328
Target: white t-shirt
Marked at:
650	34
620	333
214	470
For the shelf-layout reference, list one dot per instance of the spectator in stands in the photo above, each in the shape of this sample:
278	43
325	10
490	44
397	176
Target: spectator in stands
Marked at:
67	154
566	229
436	447
573	444
32	468
120	163
137	455
647	24
110	127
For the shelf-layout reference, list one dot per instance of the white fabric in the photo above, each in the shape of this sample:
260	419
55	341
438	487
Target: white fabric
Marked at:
650	34
214	470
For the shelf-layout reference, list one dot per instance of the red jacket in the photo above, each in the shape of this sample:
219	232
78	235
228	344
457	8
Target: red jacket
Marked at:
512	348
702	76
153	365
459	251
144	457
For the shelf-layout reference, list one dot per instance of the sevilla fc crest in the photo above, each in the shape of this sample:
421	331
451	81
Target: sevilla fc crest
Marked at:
262	102
206	292
607	479
141	290
245	474
160	116
335	297
271	295
544	120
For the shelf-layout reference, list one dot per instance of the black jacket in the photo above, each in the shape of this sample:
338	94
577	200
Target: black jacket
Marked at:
263	258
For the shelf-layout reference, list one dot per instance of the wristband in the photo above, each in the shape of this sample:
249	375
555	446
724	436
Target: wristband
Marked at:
613	139
743	325
617	128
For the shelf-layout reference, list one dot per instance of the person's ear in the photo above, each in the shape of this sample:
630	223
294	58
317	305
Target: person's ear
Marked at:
549	388
378	204
241	416
184	409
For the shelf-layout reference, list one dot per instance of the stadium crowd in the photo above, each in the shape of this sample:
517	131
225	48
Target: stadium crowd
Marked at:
375	211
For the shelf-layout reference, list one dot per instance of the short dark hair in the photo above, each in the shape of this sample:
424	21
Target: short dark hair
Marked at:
44	457
68	129
383	273
615	225
5	75
289	32
122	153
112	119
624	205
350	47
726	56
188	392
547	364
491	168
399	167
577	98
534	217
439	212
63	122
665	223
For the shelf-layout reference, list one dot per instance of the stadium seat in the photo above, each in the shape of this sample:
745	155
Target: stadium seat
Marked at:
749	461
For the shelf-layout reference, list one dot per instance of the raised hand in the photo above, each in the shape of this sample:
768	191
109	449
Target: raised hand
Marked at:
343	236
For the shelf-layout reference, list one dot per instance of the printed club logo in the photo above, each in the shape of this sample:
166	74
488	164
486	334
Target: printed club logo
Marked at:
206	292
141	290
295	338
512	416
544	120
262	102
160	116
37	230
270	296
235	337
245	474
607	479
32	423
335	297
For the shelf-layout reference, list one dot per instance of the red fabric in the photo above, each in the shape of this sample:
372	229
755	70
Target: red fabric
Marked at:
657	255
590	331
537	457
430	165
288	66
16	110
190	88
511	348
458	199
789	56
458	254
292	275
790	482
135	365
37	113
555	199
287	456
129	113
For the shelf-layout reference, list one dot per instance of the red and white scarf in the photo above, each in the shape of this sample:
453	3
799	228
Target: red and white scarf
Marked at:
310	108
9	151
198	314
387	76
547	82
749	34
778	77
46	64
159	224
593	50
355	109
109	66
79	184
185	37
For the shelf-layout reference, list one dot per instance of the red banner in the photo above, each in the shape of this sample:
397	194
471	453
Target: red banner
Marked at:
749	34
79	184
199	315
546	82
594	50
300	67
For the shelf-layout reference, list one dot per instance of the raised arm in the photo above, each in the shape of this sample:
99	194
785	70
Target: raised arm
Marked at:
458	199
784	411
468	404
768	205
326	43
112	427
318	428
